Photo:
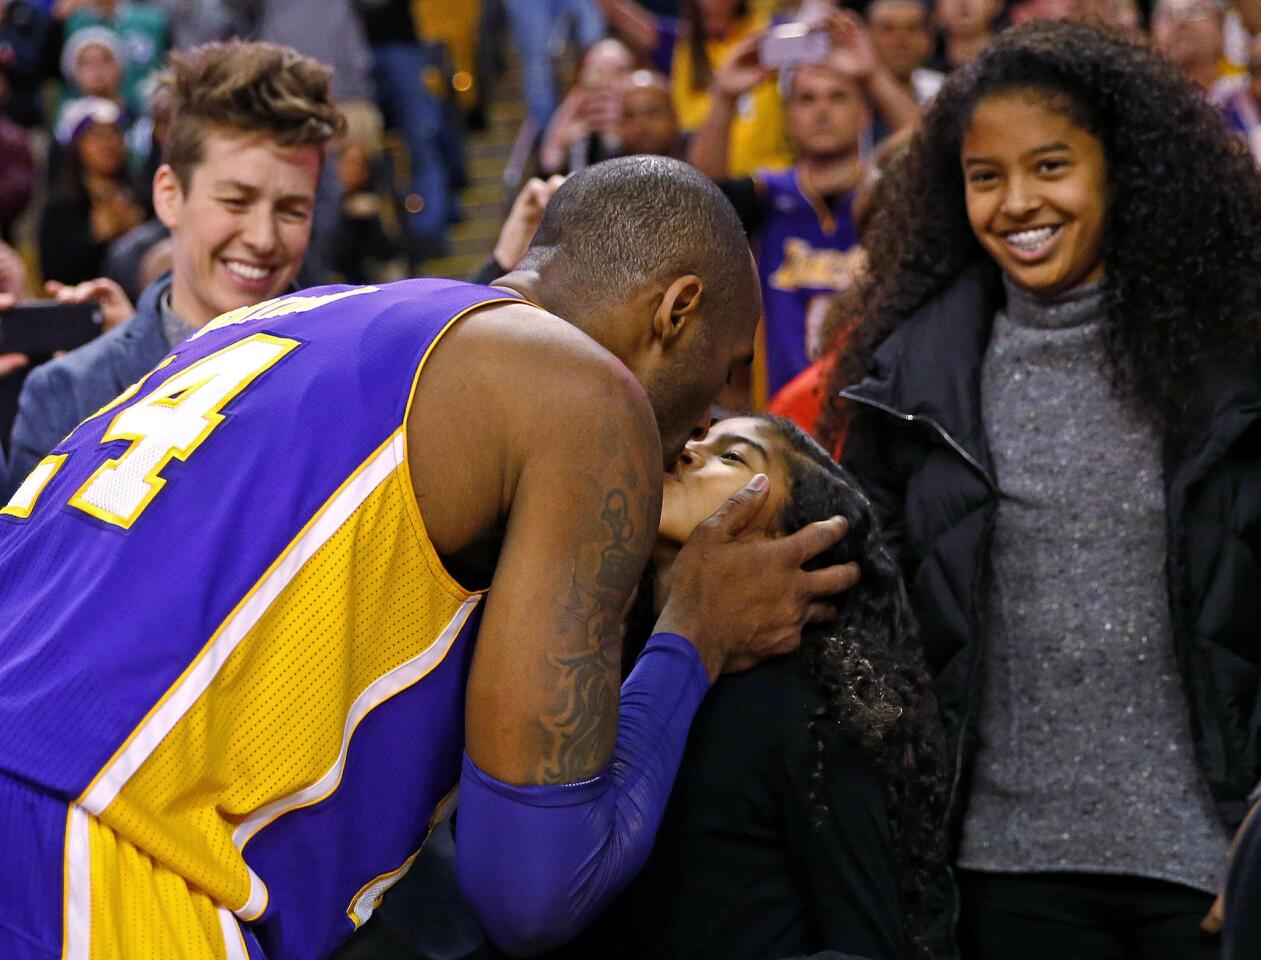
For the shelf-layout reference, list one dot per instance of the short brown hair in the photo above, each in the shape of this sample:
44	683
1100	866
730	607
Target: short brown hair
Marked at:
244	87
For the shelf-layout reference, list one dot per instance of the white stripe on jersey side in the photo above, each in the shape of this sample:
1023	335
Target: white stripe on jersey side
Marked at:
78	906
193	684
233	940
373	696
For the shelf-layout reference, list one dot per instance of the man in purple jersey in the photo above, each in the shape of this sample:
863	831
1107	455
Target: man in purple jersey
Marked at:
553	498
533	423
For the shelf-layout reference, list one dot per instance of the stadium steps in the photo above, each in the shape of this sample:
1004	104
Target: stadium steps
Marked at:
483	202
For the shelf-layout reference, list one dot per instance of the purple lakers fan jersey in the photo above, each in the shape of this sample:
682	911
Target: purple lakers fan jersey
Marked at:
225	638
805	249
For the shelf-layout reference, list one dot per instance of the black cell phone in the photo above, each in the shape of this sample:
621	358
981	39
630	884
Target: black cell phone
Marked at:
45	326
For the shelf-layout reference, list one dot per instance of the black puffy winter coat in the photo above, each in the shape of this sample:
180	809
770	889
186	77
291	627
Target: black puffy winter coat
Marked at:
918	446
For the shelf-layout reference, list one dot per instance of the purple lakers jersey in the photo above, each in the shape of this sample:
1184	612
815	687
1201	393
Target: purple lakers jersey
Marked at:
226	641
803	250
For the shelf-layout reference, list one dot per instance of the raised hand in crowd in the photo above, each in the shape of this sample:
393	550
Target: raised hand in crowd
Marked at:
116	307
736	76
523	219
741	71
584	128
569	125
854	55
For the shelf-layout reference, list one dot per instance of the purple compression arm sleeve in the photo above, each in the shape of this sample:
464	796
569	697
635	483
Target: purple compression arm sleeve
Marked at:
538	863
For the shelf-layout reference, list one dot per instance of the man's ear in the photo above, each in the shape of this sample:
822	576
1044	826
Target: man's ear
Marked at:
680	307
168	196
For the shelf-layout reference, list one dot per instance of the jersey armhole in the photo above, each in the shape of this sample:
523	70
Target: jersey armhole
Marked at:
410	505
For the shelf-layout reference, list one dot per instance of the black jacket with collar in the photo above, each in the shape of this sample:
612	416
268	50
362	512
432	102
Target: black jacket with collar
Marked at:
918	445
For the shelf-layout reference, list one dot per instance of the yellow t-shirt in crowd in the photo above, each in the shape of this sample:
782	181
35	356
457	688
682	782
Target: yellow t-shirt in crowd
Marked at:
758	141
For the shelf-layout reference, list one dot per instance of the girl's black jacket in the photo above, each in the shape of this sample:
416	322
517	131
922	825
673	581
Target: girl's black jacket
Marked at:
918	446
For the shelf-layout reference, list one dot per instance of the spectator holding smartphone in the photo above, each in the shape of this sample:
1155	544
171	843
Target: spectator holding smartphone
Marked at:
584	128
801	220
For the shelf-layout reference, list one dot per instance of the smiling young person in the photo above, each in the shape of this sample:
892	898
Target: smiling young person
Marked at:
250	123
1060	421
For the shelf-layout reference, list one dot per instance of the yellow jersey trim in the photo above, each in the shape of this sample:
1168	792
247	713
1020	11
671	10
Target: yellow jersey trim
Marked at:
24	501
457	589
380	691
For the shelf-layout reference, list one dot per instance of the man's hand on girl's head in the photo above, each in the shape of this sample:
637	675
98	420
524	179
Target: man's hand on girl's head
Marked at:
742	601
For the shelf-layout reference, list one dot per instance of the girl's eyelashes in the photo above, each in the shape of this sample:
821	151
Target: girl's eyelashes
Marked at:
732	455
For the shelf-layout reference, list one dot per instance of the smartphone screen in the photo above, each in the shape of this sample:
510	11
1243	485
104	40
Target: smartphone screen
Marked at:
45	327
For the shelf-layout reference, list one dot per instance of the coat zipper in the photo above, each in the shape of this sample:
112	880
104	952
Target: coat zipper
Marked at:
993	488
992	485
941	431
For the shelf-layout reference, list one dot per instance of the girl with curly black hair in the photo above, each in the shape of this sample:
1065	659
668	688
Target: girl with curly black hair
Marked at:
1059	418
807	811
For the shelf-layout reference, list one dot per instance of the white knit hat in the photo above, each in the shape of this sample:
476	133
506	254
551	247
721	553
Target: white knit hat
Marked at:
87	37
76	115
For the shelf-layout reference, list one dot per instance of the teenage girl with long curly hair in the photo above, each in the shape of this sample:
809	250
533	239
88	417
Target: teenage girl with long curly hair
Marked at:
1054	399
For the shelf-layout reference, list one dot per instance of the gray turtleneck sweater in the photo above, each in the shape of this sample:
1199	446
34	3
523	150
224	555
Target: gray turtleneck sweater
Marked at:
1085	761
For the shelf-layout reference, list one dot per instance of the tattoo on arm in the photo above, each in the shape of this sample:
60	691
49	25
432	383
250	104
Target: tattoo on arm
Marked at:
582	724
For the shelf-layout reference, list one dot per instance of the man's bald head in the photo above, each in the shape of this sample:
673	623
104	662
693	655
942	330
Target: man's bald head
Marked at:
646	256
622	225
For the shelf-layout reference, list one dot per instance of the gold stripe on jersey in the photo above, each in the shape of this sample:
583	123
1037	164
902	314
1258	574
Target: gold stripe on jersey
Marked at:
142	910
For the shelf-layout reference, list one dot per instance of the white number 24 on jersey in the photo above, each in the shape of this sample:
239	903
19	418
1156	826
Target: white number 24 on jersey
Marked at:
169	424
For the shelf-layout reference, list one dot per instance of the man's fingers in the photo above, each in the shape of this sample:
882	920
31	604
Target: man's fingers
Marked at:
1212	922
7	300
102	288
740	508
812	539
820	613
830	581
12	361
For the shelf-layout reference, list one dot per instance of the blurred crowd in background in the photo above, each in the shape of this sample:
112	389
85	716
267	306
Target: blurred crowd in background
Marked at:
796	149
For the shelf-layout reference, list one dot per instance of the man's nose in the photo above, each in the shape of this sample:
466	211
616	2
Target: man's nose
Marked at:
260	232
